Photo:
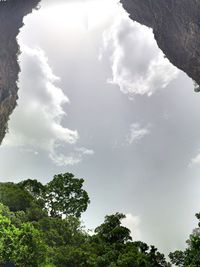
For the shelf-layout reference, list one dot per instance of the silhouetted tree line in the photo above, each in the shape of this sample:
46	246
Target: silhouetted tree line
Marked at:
40	227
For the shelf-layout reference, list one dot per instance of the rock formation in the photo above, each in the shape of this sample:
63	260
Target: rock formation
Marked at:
12	13
176	27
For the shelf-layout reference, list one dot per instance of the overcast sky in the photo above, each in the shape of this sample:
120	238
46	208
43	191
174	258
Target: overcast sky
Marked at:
97	98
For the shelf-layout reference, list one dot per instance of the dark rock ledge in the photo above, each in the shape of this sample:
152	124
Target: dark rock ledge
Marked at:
12	13
176	27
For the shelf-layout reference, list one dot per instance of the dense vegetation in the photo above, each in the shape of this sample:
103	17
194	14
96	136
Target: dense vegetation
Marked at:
40	227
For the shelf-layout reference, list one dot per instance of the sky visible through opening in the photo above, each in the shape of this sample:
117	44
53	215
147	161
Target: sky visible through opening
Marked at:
97	98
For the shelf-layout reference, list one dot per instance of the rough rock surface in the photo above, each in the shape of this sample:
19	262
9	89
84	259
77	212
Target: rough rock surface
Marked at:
11	20
176	27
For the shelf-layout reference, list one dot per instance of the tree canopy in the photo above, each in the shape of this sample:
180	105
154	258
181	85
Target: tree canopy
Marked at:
63	195
40	227
112	231
190	257
15	197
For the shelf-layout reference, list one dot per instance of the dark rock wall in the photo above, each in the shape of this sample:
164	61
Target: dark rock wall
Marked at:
12	13
176	27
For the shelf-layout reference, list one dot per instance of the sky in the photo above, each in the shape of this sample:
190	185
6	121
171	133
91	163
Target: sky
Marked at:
99	99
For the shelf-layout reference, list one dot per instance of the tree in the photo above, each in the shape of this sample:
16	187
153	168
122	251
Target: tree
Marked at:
113	246
72	256
111	231
138	254
8	234
15	197
191	256
65	196
30	249
22	245
34	188
177	258
43	228
59	232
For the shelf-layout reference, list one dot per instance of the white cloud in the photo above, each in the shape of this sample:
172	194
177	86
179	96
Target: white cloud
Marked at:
36	124
63	160
138	65
79	15
133	224
136	133
73	158
85	151
195	160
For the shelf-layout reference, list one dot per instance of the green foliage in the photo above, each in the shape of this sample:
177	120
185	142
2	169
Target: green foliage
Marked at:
71	256
30	249
65	196
40	227
112	231
23	246
59	232
35	189
191	256
15	197
8	234
112	246
35	213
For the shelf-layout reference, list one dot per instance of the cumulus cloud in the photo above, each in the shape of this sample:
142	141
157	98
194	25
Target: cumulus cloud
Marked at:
138	65
136	133
133	223
36	124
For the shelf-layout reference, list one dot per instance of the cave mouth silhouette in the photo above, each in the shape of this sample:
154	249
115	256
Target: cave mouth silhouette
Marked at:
176	28
12	13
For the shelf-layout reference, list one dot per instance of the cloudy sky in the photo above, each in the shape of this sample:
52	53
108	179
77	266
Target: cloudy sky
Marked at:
97	98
